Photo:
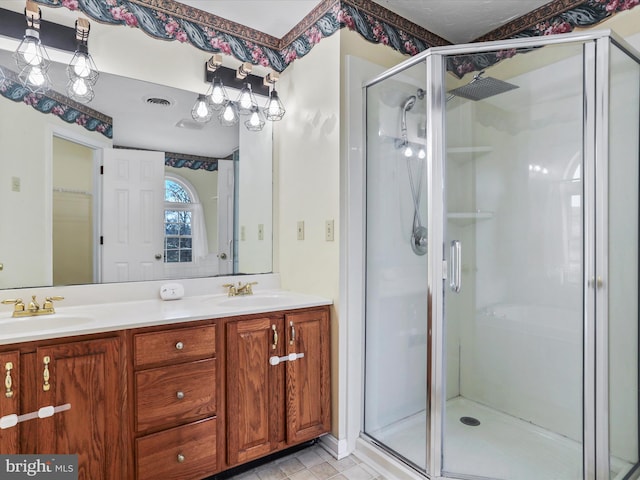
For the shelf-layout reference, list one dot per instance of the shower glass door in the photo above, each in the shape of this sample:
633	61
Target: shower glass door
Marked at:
396	364
514	235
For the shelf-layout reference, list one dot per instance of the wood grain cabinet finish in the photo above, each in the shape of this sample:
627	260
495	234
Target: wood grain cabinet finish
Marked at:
175	385
10	395
180	453
86	375
272	406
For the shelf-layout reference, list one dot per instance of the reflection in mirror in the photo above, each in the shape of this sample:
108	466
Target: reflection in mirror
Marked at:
70	224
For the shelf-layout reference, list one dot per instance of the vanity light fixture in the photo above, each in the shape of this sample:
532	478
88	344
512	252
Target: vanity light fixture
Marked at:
243	70
30	56
217	93
202	110
255	122
246	100
274	110
82	70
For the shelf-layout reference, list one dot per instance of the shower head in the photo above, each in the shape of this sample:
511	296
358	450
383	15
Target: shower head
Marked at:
408	104
480	88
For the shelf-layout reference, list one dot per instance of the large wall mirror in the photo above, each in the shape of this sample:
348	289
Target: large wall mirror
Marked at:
165	197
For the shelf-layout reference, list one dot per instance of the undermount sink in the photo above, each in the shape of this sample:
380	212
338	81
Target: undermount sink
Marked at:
42	323
257	300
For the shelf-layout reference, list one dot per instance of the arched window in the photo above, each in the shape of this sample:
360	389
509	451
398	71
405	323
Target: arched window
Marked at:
184	232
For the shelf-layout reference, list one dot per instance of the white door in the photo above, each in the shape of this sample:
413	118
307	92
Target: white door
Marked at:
132	218
225	216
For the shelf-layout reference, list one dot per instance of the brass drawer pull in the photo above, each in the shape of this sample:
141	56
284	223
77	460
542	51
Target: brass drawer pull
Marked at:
180	458
8	381
292	340
180	395
45	375
274	345
179	346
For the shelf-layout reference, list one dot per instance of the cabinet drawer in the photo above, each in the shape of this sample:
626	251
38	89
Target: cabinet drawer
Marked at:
181	344
181	453
175	394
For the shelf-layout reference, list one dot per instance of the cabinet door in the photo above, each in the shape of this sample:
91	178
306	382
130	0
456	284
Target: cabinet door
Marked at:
255	388
10	400
87	375
308	378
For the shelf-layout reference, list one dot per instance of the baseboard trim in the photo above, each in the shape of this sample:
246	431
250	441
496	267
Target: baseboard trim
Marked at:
337	448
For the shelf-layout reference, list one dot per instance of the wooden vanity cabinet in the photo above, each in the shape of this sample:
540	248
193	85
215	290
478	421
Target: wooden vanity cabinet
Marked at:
273	405
88	376
174	383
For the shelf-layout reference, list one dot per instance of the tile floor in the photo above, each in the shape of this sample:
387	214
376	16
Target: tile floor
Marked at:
312	463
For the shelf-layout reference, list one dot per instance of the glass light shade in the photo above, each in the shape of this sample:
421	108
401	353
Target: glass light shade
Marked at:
82	66
274	110
202	110
31	53
255	122
229	115
422	154
217	94
246	100
408	151
80	90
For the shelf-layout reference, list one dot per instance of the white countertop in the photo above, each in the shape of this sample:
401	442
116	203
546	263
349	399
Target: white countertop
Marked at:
105	317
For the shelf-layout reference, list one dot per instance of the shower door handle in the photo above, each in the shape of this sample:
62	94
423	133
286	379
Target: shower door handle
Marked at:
456	266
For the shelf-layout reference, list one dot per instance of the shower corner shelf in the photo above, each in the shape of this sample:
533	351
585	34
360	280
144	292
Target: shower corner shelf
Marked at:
467	153
467	218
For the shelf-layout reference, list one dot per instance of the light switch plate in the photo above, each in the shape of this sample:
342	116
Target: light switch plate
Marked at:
300	230
328	231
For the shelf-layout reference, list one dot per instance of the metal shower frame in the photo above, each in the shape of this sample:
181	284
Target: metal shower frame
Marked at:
596	150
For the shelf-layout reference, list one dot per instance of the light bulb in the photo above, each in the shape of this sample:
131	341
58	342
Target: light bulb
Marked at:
408	152
421	153
30	54
81	67
201	109
228	114
217	94
274	108
245	100
255	119
36	77
80	87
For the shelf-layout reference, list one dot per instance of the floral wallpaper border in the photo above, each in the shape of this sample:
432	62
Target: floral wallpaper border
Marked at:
56	104
169	20
562	16
194	162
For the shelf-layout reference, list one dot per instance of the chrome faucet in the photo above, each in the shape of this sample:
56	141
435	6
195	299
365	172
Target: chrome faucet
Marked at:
34	308
240	289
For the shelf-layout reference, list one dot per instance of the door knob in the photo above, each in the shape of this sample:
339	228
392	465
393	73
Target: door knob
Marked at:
223	256
158	256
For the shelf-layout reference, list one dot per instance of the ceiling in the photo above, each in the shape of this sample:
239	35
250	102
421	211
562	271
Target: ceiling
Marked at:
458	21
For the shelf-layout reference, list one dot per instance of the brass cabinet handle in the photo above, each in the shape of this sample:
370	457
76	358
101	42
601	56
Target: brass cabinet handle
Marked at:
45	375
179	346
292	340
8	381
180	458
274	345
180	395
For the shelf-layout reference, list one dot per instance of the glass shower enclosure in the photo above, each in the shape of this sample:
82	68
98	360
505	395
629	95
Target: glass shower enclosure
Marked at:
501	307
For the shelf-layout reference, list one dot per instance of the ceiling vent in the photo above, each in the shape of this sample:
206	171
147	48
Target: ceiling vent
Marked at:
158	101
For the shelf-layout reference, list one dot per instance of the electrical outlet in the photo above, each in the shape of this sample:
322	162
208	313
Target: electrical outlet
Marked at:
328	231
243	233
260	231
301	230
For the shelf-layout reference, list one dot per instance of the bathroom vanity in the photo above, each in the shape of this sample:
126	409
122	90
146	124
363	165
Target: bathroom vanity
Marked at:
213	382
